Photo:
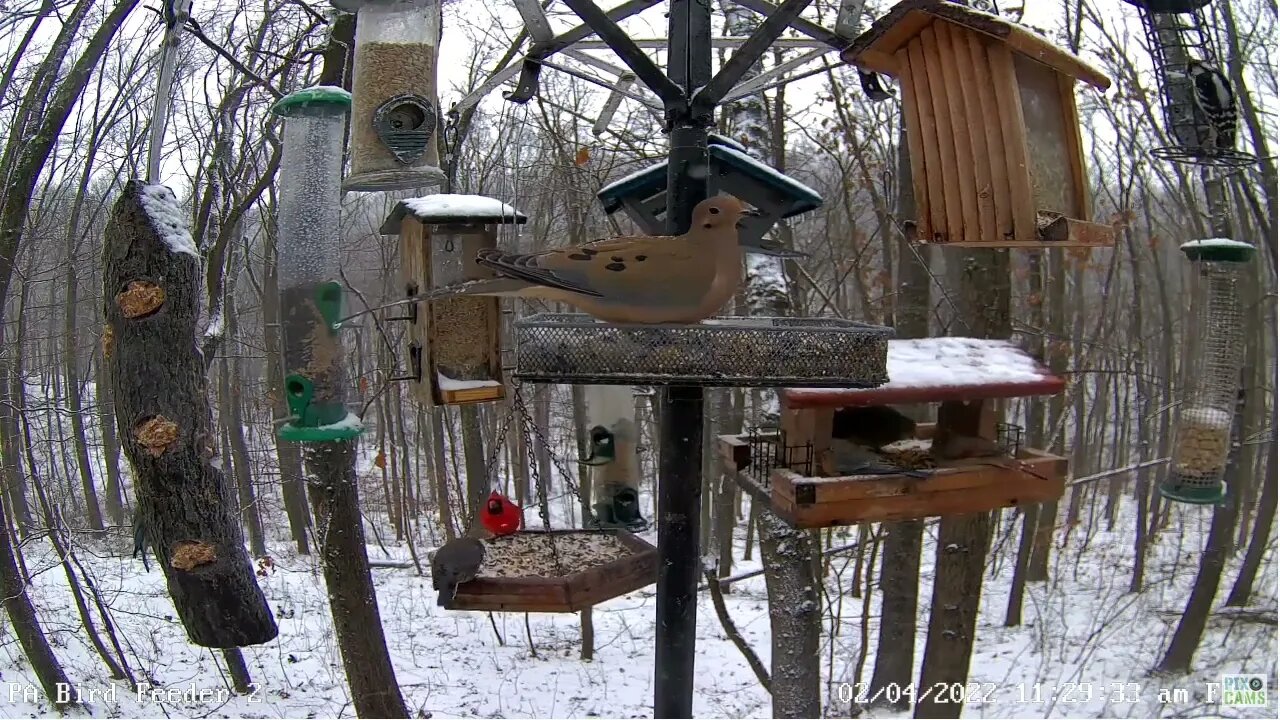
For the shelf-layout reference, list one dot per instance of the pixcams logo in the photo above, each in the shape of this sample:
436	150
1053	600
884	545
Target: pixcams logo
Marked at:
1243	691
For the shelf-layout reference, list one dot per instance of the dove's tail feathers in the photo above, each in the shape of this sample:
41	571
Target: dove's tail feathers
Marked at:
445	596
495	286
523	266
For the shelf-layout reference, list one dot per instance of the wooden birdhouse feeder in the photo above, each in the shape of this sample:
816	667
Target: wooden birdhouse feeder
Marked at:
557	571
992	126
643	195
817	471
454	351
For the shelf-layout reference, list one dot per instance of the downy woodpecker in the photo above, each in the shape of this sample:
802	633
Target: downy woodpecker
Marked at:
1215	105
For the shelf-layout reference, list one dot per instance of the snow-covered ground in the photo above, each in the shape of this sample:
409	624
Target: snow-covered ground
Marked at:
1084	634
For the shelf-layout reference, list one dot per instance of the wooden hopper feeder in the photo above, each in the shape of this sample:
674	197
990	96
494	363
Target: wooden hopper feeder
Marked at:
994	135
598	565
454	353
963	374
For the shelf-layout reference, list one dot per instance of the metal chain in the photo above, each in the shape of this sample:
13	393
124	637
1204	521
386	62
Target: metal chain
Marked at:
544	505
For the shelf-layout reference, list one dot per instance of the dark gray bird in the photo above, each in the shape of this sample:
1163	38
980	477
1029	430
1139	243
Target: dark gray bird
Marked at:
456	562
874	426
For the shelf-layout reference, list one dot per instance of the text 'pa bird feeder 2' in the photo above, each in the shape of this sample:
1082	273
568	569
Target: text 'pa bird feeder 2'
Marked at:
997	158
455	353
843	456
1214	356
395	111
311	298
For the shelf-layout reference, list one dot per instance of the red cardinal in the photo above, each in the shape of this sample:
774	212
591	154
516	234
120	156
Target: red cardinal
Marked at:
501	516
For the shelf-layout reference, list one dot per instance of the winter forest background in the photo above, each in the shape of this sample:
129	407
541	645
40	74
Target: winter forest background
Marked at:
1111	585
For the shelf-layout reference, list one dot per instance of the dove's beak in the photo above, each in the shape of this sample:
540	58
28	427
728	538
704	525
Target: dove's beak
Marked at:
747	213
773	249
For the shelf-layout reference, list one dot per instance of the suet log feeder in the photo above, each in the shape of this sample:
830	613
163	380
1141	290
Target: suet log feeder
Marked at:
1213	358
643	195
612	457
395	112
1202	132
308	265
454	351
997	158
831	462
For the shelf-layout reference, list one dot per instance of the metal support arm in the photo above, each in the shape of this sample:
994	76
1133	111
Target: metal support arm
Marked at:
644	68
706	99
805	27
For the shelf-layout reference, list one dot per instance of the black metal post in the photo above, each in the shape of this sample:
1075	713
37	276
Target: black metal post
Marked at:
680	471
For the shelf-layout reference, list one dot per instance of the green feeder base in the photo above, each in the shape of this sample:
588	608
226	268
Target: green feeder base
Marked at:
317	422
620	511
325	433
1194	495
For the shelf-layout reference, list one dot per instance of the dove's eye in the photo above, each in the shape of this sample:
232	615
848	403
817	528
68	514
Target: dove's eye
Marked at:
715	211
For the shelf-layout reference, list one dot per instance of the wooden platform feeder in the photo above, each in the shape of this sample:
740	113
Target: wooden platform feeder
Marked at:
992	126
519	573
454	347
966	376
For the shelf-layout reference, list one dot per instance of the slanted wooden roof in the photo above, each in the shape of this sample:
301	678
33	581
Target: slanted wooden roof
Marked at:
451	209
938	369
875	49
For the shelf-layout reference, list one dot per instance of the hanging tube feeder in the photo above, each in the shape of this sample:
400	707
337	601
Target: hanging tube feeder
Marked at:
1213	355
1178	34
395	112
310	296
615	466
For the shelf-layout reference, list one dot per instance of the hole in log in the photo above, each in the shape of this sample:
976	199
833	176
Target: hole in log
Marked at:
140	299
188	554
108	341
156	434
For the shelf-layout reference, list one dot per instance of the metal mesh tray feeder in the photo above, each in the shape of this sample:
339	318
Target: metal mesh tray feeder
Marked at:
727	352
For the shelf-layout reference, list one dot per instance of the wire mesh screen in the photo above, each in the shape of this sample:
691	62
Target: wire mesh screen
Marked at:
1214	355
725	352
1009	438
770	450
1175	40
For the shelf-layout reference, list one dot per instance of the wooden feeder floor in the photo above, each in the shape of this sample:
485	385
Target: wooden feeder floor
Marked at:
519	573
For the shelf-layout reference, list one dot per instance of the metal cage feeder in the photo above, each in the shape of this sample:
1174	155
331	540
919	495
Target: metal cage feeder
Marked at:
454	343
1214	356
1178	32
395	111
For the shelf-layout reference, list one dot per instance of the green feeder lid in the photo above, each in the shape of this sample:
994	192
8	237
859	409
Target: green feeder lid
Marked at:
1194	495
1218	250
342	430
319	97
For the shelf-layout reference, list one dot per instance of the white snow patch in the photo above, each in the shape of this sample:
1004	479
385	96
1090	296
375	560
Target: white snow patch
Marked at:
1215	243
444	206
351	422
161	206
611	187
216	325
444	382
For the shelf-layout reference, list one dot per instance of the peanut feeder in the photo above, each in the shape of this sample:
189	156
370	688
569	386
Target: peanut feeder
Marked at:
1214	356
310	296
395	112
454	353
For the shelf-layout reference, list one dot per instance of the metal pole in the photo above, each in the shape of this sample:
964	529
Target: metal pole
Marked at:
680	471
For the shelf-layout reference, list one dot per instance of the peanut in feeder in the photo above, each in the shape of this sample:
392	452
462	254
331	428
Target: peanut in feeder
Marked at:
455	353
395	111
993	132
309	245
1213	358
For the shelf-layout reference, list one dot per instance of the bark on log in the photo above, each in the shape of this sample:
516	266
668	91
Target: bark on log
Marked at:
165	429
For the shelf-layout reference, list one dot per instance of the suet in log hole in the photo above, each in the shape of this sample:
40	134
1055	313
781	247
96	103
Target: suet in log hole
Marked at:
189	554
140	299
108	341
156	434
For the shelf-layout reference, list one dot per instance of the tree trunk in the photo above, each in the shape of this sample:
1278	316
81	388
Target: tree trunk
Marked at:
233	424
1243	587
795	618
478	481
110	444
162	408
15	478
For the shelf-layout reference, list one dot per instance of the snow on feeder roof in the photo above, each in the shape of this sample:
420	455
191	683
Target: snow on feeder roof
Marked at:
449	209
652	180
1217	250
938	369
317	98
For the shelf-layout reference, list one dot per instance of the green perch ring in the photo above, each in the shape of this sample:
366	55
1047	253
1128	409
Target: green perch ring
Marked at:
1214	495
315	422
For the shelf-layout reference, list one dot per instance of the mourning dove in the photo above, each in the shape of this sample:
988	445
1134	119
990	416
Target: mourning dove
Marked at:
634	279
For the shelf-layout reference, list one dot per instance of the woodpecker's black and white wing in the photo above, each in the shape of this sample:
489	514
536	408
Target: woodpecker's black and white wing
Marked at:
1215	103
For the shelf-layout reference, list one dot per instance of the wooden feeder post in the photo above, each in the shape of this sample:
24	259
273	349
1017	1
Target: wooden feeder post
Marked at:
309	248
395	112
996	152
615	466
455	352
